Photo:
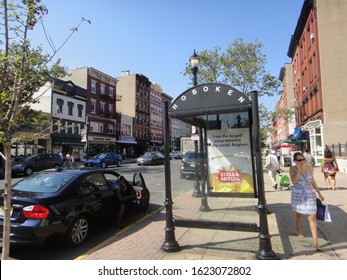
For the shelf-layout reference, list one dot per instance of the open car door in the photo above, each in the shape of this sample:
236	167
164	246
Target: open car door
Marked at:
140	186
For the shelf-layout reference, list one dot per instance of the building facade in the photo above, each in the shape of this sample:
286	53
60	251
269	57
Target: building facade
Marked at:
102	120
318	52
66	102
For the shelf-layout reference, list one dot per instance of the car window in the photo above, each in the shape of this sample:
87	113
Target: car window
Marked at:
98	180
43	182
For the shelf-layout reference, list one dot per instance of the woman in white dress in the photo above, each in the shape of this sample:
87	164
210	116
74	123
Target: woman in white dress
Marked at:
304	196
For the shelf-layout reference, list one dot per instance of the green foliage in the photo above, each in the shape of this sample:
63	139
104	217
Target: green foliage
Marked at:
242	66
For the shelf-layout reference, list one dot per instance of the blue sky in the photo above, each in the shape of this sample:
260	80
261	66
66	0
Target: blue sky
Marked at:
156	37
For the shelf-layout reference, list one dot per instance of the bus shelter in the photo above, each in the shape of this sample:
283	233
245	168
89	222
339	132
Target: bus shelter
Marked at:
227	135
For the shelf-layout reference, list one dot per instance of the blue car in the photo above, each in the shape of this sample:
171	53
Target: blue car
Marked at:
104	160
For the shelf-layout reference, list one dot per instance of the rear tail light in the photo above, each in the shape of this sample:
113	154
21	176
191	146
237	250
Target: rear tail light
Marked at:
35	212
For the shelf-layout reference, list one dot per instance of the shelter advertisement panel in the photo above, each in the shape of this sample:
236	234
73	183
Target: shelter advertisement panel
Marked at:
229	159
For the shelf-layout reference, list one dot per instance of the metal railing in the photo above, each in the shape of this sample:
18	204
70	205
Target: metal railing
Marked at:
339	150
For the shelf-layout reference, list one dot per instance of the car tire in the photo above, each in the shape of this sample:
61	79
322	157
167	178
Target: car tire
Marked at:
119	163
103	165
77	232
28	171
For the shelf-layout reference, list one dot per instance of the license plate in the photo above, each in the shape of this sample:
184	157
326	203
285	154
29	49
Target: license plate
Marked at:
2	211
192	164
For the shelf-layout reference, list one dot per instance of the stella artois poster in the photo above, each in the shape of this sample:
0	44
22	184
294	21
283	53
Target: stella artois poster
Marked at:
229	159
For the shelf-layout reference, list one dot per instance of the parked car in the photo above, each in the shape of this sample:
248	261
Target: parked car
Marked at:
104	160
65	203
176	155
151	158
188	163
27	165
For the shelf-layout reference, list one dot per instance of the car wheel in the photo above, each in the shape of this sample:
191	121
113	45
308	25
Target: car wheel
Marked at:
119	163
28	171
78	231
144	201
103	165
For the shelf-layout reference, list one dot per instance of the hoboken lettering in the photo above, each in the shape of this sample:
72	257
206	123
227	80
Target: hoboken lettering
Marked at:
206	89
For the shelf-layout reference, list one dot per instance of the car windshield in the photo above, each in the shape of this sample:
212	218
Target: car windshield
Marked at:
100	155
148	154
44	182
28	158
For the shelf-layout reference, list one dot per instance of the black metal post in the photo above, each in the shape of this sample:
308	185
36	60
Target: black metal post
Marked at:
170	244
265	251
196	191
203	206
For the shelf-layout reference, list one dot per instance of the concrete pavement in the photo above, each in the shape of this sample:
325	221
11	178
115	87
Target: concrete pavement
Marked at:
144	239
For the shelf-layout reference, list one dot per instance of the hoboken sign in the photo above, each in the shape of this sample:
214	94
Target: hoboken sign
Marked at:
208	98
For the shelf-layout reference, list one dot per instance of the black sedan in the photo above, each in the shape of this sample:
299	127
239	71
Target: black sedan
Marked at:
150	158
65	203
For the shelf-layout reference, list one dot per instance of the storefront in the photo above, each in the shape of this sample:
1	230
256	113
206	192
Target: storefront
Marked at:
316	139
126	146
68	143
100	144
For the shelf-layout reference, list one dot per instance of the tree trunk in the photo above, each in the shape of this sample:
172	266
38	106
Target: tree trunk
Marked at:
5	255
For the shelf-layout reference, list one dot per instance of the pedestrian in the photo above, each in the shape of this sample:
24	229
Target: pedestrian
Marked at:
61	155
272	165
303	196
329	169
124	153
123	199
310	160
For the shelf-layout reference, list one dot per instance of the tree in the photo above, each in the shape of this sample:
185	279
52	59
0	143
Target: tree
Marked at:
242	66
24	69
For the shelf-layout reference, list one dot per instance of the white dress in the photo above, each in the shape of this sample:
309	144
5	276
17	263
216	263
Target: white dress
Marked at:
304	195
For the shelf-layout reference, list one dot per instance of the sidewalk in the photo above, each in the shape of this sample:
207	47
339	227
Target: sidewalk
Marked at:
144	239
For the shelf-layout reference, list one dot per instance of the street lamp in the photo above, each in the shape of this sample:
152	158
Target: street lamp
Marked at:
194	65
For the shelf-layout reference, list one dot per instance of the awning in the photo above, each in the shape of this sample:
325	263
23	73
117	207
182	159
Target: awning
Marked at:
302	135
296	134
126	142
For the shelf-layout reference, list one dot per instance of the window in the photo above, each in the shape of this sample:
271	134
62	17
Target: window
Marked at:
69	128
92	105
102	89
111	92
96	127
110	128
62	128
60	104
70	106
76	130
102	107
80	110
110	109
126	129
93	86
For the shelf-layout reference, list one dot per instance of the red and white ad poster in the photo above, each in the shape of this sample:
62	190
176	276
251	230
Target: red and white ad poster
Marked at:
229	159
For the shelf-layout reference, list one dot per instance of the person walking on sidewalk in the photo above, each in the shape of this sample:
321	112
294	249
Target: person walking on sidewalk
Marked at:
310	160
272	165
329	168
303	198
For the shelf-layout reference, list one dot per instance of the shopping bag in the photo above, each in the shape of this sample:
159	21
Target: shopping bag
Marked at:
323	213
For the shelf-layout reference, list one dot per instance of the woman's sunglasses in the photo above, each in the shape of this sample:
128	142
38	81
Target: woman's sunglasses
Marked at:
300	159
